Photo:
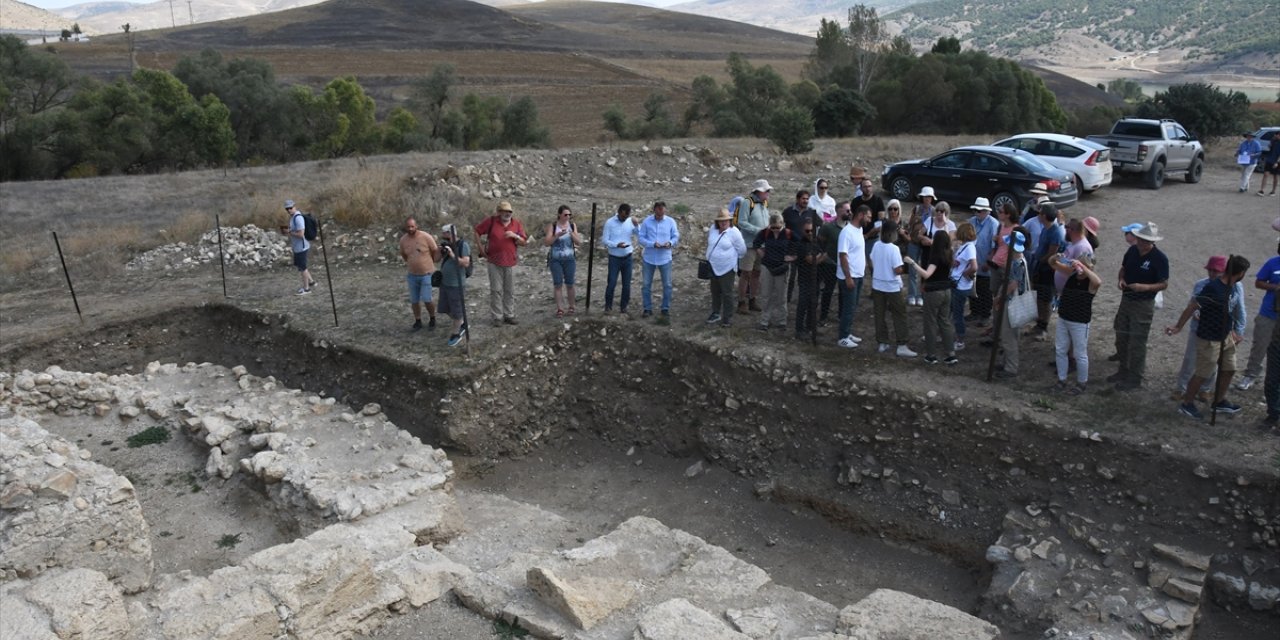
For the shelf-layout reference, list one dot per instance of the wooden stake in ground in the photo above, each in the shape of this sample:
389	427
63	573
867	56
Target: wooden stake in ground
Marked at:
998	319
591	254
328	274
68	275
221	262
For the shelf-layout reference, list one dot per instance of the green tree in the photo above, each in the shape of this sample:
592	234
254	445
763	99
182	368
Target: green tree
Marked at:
806	94
1205	110
756	92
482	117
401	132
831	49
520	127
428	96
867	39
791	128
1128	90
353	105
840	112
946	45
615	121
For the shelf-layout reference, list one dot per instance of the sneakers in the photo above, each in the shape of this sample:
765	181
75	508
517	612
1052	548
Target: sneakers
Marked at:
905	352
713	318
855	339
510	320
302	291
1261	194
1244	383
1223	406
417	324
958	346
950	360
1190	411
884	347
431	323
1059	387
847	342
457	337
930	360
1077	389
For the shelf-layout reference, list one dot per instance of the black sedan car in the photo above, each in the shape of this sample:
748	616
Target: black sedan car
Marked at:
999	174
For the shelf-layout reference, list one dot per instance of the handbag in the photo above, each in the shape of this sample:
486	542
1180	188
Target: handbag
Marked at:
704	266
437	278
1022	306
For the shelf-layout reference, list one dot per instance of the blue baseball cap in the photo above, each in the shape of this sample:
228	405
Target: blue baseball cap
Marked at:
1016	241
1130	228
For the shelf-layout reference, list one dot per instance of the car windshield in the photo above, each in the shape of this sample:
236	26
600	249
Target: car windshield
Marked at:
1031	164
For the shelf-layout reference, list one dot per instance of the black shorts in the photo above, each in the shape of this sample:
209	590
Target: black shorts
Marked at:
449	302
1273	169
300	260
1043	282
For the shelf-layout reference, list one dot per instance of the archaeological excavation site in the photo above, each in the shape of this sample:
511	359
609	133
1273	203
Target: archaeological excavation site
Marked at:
219	471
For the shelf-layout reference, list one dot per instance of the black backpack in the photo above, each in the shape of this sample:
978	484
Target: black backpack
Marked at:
310	228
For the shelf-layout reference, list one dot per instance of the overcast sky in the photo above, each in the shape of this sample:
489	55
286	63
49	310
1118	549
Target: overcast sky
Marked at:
54	4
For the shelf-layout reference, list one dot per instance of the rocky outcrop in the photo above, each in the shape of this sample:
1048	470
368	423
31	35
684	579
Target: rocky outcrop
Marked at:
59	509
63	604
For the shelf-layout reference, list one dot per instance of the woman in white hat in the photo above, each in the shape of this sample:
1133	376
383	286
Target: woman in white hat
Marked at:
917	234
725	248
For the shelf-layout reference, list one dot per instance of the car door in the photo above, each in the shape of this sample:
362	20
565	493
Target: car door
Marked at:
989	174
946	173
1177	147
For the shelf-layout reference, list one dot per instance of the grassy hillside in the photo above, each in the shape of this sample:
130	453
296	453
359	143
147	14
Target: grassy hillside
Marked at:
1227	28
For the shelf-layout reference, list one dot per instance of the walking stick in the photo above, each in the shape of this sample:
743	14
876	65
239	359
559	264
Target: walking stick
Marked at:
1217	395
221	263
328	276
1000	321
813	305
591	255
462	297
68	276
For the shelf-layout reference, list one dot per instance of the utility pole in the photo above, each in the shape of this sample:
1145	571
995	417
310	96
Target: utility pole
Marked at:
172	20
191	15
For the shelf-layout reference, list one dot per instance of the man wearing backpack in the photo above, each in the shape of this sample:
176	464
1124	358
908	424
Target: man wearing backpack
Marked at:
297	232
752	216
455	268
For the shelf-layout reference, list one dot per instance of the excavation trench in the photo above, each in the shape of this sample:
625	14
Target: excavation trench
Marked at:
833	487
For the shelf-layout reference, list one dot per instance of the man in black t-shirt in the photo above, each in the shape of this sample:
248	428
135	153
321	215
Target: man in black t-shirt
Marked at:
1215	341
1143	272
794	217
870	230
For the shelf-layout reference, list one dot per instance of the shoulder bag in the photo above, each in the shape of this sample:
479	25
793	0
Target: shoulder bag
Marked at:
1022	306
704	266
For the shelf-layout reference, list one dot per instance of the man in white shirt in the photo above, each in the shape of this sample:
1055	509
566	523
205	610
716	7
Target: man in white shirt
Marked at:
619	233
851	265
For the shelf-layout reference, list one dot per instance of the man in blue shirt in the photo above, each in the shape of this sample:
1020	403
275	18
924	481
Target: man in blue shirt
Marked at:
1268	280
1247	155
986	228
1051	242
658	235
618	233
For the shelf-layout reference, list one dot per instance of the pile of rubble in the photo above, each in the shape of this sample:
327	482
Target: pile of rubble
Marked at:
247	246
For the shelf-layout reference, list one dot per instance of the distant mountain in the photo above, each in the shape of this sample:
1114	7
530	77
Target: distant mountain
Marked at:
796	16
1020	28
90	9
106	17
21	17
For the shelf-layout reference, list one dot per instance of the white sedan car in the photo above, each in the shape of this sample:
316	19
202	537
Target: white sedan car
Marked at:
1088	161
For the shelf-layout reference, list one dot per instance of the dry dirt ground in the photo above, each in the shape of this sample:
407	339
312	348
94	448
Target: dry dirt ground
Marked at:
1196	221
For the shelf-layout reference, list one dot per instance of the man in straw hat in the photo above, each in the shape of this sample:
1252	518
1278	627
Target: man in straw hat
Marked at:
985	226
500	236
1144	272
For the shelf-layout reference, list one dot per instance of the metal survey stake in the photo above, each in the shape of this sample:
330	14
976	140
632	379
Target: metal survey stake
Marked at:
591	257
328	275
68	275
221	262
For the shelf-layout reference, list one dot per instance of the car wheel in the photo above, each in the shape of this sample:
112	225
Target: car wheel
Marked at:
1155	175
997	201
1079	186
901	189
1195	170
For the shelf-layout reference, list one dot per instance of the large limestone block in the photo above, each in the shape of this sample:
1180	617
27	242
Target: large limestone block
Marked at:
58	509
677	619
63	604
893	615
586	601
424	574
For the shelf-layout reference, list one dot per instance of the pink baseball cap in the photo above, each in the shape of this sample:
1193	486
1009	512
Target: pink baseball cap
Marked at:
1216	263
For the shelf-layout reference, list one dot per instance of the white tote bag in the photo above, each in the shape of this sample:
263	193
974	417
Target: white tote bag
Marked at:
1022	306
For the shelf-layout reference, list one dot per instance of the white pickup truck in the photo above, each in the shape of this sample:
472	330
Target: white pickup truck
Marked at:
1153	149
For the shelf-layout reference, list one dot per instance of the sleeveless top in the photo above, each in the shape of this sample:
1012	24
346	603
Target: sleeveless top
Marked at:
1076	302
562	248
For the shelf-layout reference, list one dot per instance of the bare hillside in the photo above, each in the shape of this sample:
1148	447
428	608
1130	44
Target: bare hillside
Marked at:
19	16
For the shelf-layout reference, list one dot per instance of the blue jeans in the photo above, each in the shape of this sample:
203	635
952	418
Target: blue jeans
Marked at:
618	265
562	271
646	289
848	304
958	297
